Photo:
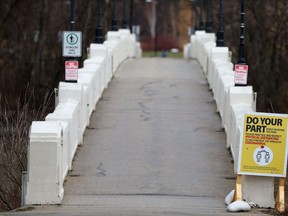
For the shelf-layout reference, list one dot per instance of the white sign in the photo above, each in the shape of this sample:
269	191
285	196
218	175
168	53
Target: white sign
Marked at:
71	70
72	44
241	74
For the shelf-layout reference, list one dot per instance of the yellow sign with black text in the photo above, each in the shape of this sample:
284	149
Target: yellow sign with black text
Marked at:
263	145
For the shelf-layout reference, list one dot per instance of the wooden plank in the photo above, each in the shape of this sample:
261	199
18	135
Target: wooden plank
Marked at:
280	199
238	189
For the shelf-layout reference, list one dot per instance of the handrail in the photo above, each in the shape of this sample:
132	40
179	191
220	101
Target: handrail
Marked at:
53	142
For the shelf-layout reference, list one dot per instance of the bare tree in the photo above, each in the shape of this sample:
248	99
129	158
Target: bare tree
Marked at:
41	36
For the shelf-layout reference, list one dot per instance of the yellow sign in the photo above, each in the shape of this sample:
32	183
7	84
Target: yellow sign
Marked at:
263	145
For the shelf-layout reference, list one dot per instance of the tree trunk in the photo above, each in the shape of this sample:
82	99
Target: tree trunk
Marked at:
44	18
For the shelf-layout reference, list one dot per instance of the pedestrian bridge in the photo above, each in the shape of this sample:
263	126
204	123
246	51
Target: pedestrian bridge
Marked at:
139	136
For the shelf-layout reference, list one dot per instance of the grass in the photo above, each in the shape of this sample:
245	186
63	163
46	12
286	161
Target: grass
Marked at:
146	54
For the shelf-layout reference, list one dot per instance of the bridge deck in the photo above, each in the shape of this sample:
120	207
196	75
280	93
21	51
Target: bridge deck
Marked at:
154	146
155	131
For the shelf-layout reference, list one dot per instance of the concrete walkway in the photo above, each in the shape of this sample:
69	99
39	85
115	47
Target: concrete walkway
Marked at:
154	146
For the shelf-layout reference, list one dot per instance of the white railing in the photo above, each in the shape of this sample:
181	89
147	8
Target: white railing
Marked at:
53	142
232	103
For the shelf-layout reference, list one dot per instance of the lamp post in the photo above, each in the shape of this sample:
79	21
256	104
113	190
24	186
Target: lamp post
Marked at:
241	69
114	26
220	30
241	57
131	15
72	11
208	19
193	16
99	36
201	23
71	64
124	17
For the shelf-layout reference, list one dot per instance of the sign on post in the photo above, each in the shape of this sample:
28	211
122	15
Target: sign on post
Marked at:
71	70
72	44
263	145
241	74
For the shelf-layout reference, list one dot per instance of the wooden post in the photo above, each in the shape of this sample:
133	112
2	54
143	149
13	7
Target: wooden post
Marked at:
238	189
280	201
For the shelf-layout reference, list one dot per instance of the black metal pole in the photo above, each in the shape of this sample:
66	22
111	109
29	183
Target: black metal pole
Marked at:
99	39
72	11
72	28
208	20
201	23
192	19
241	68
192	31
114	26
241	57
195	14
131	15
220	30
124	17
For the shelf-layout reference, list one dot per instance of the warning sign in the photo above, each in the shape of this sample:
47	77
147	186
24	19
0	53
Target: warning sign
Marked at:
263	145
241	74
71	70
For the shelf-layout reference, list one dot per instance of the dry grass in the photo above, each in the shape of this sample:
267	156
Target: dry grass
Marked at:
14	139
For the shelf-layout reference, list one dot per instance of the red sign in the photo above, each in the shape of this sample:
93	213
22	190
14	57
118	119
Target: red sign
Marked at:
71	70
241	74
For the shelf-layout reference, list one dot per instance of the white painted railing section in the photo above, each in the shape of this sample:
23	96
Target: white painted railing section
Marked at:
54	142
44	163
232	102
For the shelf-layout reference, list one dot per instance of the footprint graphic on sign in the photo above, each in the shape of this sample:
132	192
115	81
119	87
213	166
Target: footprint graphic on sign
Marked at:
263	156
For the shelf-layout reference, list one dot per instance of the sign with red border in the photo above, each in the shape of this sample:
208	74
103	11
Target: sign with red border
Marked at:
241	74
71	70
